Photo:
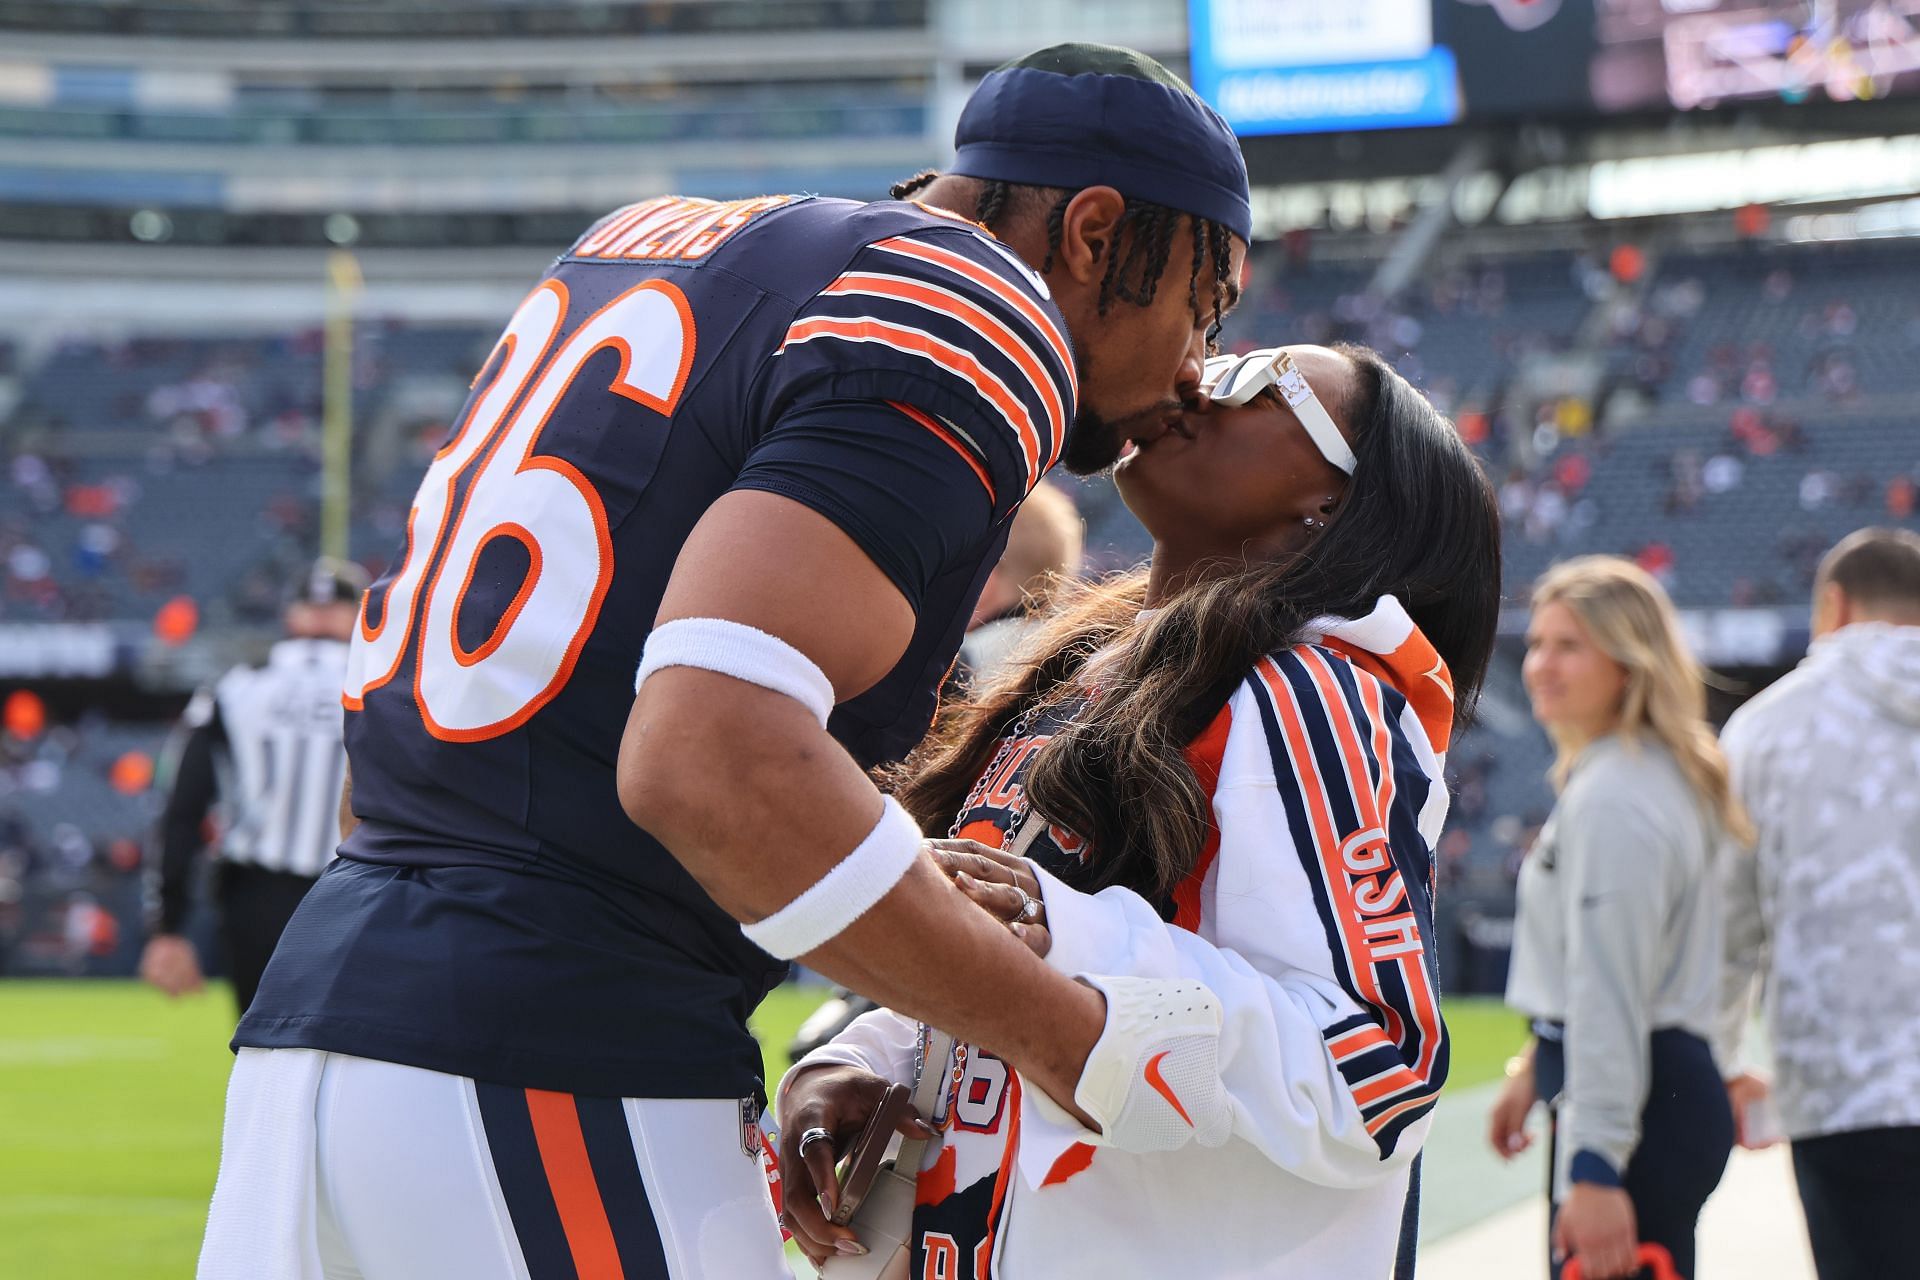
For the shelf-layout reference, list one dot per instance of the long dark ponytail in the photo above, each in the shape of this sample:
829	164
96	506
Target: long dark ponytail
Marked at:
1419	521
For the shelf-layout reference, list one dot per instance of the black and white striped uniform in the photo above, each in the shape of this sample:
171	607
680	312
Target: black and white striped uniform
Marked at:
265	744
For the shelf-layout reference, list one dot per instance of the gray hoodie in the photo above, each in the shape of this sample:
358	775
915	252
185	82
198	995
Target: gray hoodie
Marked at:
1827	909
1617	934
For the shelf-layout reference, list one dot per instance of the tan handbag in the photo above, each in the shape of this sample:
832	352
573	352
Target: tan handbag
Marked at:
884	1220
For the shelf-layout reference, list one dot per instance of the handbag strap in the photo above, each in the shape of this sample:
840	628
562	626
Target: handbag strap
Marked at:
926	1095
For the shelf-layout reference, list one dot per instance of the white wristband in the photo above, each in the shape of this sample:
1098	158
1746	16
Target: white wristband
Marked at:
743	652
845	893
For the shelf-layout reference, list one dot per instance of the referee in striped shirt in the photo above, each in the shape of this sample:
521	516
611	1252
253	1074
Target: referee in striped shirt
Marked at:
264	741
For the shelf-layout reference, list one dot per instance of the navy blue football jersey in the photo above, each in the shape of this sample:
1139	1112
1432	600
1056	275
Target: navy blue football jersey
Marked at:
496	914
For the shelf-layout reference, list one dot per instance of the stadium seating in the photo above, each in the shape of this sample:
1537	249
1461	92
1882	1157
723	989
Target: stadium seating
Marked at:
1729	492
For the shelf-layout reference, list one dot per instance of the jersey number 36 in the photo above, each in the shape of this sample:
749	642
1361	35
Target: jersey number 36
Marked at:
541	501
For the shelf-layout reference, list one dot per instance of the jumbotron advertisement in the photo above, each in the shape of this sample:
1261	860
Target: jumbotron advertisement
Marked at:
1310	66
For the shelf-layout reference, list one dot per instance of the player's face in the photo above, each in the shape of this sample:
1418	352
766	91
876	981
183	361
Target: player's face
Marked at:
1140	366
1239	482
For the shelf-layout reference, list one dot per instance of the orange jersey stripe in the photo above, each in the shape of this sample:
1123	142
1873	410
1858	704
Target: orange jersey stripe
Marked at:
947	437
946	302
944	354
1006	291
576	1194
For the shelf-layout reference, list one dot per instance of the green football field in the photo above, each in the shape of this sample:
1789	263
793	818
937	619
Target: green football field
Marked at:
110	1101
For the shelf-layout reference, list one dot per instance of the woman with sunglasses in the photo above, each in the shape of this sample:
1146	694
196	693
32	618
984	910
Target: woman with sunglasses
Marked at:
1225	767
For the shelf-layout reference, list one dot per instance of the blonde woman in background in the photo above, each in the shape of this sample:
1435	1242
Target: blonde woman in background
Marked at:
1617	940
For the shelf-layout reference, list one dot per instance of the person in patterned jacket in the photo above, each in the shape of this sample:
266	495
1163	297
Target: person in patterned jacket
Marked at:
1826	908
1226	767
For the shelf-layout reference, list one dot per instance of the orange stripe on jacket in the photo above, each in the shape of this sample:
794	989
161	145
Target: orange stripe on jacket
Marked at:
1426	1002
945	302
1386	1084
1374	801
952	442
1359	782
1385	1118
1204	755
576	1194
1004	1178
1313	790
1351	1044
1421	676
945	354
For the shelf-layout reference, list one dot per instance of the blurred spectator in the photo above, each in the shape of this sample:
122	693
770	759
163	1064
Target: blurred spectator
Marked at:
1825	910
1901	493
176	621
1614	942
23	715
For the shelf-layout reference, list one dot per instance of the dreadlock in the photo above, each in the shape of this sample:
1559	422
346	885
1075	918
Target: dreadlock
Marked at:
1146	230
908	188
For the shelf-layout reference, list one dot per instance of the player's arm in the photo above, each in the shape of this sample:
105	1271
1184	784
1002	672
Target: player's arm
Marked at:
168	961
747	789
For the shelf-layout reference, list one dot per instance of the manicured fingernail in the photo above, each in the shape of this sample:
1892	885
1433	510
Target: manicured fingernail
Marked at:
850	1248
966	881
1019	930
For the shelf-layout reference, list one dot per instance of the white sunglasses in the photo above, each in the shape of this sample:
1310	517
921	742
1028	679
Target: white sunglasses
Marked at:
1235	380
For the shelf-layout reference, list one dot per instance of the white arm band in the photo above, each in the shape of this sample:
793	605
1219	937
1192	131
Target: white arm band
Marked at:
845	893
743	652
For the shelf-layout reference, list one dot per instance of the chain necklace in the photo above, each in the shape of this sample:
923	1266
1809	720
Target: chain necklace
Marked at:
1009	742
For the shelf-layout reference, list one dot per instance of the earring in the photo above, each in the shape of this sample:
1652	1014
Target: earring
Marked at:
1311	523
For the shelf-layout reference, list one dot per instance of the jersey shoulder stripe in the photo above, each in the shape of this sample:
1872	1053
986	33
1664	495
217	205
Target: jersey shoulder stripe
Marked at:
942	301
932	291
999	284
948	357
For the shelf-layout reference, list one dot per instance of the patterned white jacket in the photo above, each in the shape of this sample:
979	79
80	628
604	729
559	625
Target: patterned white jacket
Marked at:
1827	909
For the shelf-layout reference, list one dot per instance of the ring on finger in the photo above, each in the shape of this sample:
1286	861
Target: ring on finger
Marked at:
1029	905
814	1135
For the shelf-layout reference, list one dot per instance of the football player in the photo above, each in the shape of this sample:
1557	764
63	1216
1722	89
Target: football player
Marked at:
767	451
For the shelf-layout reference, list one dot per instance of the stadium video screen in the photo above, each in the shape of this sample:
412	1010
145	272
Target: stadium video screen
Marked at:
1304	66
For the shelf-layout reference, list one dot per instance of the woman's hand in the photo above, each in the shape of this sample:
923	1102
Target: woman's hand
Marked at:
1596	1225
838	1099
1746	1092
1507	1123
1001	884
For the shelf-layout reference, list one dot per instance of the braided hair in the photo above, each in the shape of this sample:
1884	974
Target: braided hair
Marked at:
1146	231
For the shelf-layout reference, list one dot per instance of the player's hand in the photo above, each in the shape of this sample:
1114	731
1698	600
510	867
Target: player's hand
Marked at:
1507	1122
1000	884
1596	1225
169	963
838	1099
1745	1092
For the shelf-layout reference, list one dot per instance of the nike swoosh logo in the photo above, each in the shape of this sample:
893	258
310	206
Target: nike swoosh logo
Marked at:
1159	1085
